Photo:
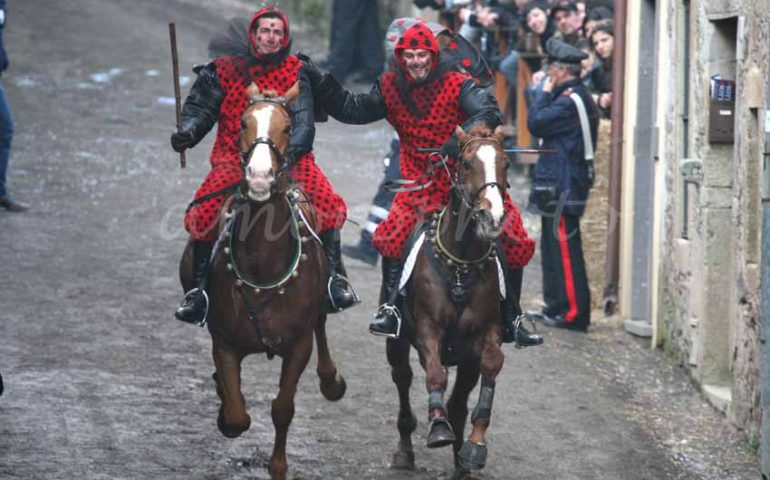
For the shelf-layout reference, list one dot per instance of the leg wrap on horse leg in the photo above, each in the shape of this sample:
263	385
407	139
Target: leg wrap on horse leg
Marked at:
473	456
483	408
440	432
436	400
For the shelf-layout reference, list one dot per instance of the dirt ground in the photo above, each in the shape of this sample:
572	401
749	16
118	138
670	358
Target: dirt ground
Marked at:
102	382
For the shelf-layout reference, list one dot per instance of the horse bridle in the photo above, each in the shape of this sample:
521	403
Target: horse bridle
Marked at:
245	155
472	202
262	140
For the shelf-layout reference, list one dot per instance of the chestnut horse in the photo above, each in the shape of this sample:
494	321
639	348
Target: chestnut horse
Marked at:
268	277
452	306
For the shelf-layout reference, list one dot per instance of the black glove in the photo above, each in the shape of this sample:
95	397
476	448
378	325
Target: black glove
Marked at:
181	141
289	159
451	148
311	69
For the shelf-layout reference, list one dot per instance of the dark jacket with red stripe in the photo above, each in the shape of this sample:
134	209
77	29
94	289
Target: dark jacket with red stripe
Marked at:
219	96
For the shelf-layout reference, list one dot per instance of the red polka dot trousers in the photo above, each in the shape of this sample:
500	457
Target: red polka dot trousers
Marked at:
411	207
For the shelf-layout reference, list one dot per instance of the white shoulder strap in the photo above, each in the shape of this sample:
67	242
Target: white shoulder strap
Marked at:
588	146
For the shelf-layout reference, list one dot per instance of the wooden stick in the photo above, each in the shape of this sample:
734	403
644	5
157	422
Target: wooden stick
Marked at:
177	94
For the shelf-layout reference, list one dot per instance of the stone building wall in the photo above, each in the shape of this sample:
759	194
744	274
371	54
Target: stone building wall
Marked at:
709	283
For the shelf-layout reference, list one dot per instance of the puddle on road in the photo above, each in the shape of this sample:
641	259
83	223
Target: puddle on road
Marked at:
166	101
171	101
87	155
28	81
106	77
98	81
258	459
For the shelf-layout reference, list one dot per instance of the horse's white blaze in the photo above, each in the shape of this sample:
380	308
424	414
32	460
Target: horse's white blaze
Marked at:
488	157
260	161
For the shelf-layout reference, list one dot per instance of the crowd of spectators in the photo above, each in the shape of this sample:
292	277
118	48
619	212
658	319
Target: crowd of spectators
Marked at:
510	31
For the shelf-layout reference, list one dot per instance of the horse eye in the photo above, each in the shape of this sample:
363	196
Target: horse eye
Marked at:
467	166
243	124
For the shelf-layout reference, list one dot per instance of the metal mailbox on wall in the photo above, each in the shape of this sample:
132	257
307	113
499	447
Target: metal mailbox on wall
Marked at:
722	110
722	121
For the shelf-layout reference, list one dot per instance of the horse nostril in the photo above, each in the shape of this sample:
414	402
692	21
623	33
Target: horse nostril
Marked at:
486	217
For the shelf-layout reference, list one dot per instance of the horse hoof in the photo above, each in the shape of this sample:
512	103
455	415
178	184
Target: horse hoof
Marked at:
440	433
472	456
231	431
330	393
403	461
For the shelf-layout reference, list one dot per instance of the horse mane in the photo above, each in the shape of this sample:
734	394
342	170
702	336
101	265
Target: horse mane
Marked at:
480	130
234	41
254	95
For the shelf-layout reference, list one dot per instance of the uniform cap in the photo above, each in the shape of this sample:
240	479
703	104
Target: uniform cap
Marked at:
561	52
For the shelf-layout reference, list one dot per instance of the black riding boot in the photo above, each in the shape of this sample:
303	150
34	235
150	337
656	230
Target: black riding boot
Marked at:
513	330
387	322
195	303
338	297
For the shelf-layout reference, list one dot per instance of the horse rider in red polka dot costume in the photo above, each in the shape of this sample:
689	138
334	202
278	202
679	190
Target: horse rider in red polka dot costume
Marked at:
219	97
424	98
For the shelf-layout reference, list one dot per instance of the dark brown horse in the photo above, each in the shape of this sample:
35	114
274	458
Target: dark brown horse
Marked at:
268	278
452	306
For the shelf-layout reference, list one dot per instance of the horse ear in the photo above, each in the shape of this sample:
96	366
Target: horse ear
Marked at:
460	134
499	134
292	94
252	91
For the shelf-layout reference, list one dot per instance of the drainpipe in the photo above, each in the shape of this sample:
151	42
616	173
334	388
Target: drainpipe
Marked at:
616	161
765	294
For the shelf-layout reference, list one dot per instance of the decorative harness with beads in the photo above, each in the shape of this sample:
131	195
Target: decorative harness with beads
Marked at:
248	288
464	272
458	273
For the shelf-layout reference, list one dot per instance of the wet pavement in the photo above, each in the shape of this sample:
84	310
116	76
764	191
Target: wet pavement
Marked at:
102	383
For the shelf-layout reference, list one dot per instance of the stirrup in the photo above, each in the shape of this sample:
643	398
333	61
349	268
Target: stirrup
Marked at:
386	307
517	324
205	313
348	286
